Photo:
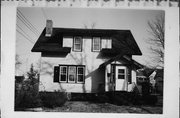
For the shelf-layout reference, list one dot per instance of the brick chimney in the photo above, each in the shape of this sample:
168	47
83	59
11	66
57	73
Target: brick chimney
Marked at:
49	28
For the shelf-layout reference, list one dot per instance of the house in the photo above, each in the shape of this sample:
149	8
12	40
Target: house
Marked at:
159	81
86	60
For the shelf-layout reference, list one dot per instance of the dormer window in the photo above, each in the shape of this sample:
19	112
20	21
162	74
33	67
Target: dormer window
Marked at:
106	43
77	44
96	44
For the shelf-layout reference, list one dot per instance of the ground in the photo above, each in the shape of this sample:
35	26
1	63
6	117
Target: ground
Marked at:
84	106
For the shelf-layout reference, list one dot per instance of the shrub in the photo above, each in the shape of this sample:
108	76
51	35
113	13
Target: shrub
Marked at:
53	99
150	99
27	97
102	98
26	91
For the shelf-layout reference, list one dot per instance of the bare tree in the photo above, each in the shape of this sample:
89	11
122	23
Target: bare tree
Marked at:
17	61
156	30
93	25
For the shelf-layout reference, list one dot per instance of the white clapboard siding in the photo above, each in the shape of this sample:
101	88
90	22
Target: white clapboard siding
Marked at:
67	41
106	43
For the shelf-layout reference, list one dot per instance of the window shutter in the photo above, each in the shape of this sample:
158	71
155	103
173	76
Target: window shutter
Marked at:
129	76
56	74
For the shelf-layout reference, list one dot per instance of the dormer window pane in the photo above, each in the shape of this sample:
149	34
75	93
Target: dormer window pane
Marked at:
77	44
96	46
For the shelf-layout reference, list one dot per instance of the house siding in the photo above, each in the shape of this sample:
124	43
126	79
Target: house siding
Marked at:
93	76
96	79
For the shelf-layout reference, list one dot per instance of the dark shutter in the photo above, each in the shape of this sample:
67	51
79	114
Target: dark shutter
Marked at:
129	76
56	74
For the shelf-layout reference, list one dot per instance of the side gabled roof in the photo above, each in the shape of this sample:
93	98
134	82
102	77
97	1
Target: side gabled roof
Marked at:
121	39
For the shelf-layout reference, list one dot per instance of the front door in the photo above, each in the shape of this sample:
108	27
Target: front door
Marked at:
121	78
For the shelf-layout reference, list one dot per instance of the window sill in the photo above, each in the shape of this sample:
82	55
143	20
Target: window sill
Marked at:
72	83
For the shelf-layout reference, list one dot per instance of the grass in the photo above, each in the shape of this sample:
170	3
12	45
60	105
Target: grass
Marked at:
89	107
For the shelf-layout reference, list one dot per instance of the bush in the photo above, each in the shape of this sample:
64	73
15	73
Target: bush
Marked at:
102	98
26	91
53	99
150	99
26	99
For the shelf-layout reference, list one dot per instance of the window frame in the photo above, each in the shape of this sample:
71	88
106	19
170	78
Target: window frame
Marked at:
71	74
120	73
81	43
93	44
61	73
80	74
76	75
107	41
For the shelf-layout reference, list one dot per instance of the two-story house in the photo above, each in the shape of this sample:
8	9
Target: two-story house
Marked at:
86	60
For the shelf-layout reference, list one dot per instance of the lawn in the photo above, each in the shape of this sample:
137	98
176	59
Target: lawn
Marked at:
84	106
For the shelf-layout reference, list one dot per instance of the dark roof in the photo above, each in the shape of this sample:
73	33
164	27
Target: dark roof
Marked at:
121	39
120	57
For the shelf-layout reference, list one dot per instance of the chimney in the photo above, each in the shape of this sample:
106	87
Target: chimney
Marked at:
49	28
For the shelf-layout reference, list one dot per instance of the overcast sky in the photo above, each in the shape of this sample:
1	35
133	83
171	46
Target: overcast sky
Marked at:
134	20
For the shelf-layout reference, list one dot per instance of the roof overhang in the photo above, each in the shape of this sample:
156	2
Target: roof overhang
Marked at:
122	56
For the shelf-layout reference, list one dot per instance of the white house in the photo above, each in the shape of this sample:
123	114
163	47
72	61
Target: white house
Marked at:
86	60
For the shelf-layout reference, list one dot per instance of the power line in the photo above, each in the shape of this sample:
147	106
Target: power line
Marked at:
27	21
22	20
24	36
24	32
30	24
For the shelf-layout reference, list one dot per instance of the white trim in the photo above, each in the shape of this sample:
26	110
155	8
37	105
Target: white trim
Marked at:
63	74
74	67
93	43
80	74
81	39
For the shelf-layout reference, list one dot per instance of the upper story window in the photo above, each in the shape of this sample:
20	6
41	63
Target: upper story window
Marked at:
96	44
77	44
106	43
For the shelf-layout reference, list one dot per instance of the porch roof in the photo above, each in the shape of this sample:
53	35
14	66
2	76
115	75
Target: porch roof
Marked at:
121	56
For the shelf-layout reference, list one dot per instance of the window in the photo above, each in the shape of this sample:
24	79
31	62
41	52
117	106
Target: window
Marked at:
121	74
72	74
106	43
77	46
96	44
80	74
69	73
63	73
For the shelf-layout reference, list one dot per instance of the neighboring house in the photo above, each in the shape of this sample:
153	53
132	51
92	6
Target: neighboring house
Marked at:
86	60
141	78
159	81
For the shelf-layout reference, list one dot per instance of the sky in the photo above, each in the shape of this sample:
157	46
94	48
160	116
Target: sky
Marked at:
134	20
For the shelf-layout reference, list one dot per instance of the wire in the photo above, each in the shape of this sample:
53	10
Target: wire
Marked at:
30	24
24	32
22	20
25	36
